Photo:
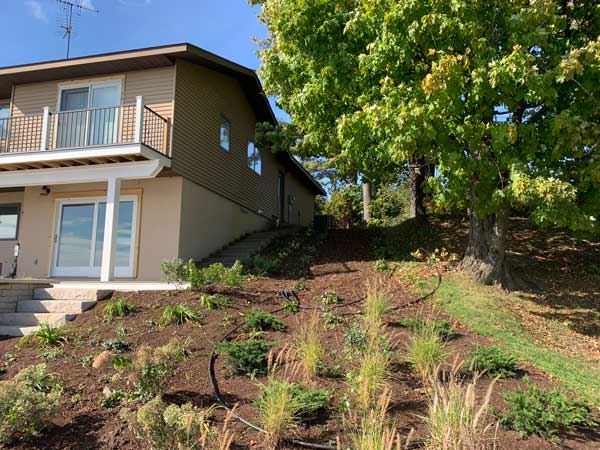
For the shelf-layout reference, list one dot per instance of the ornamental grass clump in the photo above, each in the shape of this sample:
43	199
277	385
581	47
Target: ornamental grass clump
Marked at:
46	336
308	347
376	305
27	403
369	379
180	314
426	351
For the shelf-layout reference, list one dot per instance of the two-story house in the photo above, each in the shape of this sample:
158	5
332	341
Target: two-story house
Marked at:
112	163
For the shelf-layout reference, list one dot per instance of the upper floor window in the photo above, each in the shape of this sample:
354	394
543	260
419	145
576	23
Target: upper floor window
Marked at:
254	158
4	114
9	221
225	133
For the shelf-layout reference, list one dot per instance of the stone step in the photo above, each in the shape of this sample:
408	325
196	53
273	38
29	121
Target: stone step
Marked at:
34	319
55	306
15	330
70	294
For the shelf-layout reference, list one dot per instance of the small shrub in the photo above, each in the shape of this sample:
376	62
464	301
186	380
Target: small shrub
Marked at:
260	265
112	399
313	403
215	301
381	265
121	362
180	273
300	285
53	353
356	340
332	320
27	403
249	357
115	345
309	347
442	327
179	314
292	306
492	360
117	308
543	412
172	427
329	298
46	336
256	320
426	351
151	366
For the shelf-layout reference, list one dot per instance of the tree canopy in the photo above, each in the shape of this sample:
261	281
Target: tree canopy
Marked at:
503	95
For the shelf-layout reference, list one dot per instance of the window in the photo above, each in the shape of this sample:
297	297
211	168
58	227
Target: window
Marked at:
4	114
225	133
254	158
9	221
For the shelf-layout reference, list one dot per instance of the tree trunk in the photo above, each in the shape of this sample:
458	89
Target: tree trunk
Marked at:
366	190
417	172
485	258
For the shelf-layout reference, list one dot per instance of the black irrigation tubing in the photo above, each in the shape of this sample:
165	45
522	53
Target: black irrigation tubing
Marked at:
288	296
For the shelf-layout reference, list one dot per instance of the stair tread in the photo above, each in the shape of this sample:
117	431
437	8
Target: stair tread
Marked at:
15	330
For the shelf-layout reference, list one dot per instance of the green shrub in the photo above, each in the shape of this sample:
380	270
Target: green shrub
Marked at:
425	352
356	340
215	301
492	360
117	308
27	403
328	298
260	265
151	366
172	427
256	320
112	399
179	273
442	327
543	412
46	336
121	362
381	265
53	353
179	314
249	357
115	345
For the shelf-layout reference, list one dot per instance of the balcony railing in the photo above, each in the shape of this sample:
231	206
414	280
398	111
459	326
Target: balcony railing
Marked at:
124	124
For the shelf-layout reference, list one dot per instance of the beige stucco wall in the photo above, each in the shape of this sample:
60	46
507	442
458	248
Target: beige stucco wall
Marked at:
210	221
160	209
7	246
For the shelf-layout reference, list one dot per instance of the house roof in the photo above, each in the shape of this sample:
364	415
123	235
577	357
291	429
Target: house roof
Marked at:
148	58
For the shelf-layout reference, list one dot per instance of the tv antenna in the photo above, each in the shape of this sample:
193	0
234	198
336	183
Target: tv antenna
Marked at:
70	8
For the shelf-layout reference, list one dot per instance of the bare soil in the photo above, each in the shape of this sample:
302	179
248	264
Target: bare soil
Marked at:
344	264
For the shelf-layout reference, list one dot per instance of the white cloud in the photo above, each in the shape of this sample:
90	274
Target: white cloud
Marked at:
36	10
88	4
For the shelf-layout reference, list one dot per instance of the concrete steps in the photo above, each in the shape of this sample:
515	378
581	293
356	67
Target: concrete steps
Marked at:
53	305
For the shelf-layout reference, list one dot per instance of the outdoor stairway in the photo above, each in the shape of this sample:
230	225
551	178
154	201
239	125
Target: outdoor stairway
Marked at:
48	305
246	247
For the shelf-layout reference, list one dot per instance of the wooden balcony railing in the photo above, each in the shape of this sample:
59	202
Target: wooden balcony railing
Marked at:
124	124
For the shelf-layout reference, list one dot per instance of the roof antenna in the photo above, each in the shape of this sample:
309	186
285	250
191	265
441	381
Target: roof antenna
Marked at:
70	7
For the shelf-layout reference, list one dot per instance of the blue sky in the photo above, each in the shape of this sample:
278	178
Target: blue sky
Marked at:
225	27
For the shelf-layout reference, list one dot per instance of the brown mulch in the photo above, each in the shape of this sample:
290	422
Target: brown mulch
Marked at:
344	265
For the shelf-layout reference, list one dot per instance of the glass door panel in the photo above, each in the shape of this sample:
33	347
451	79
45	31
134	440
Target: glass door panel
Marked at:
75	236
72	119
105	101
124	234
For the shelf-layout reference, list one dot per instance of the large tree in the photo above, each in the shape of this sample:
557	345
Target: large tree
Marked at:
504	96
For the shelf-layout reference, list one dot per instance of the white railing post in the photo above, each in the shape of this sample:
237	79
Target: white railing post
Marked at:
139	118
45	129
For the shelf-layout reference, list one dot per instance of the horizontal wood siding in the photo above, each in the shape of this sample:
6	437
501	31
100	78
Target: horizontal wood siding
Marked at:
29	99
201	96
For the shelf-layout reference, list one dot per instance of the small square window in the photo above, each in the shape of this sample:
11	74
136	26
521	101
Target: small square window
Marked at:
254	158
225	133
9	221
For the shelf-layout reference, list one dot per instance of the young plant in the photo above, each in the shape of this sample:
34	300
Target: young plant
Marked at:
260	265
27	403
256	320
179	314
215	301
309	348
121	362
375	308
369	380
493	361
455	418
117	308
249	357
172	427
329	298
115	345
46	336
543	412
442	327
425	352
112	399
53	353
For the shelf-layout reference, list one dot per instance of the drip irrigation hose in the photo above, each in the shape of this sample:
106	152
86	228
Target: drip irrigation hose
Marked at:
288	295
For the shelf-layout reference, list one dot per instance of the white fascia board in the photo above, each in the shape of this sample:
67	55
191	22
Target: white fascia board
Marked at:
83	153
80	174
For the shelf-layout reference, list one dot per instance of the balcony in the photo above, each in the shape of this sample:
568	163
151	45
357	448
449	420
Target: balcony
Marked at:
124	133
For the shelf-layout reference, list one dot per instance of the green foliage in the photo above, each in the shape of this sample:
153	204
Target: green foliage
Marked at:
425	352
151	366
115	345
329	298
345	205
492	360
117	308
260	265
442	327
27	403
112	398
53	353
121	362
381	265
356	340
291	306
46	336
178	272
256	320
543	412
171	427
308	347
390	205
215	301
248	357
179	314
